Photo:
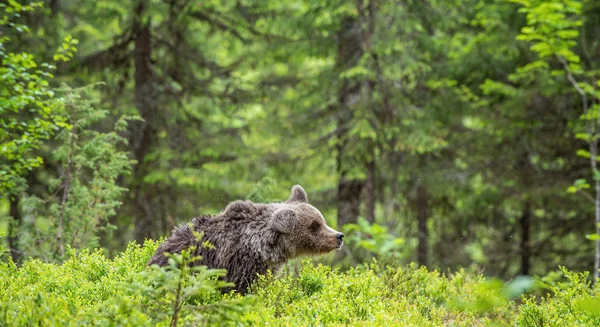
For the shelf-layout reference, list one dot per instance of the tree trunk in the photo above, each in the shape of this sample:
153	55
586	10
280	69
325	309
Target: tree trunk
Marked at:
142	133
526	239
349	54
54	6
597	220
348	201
370	190
14	228
370	86
422	215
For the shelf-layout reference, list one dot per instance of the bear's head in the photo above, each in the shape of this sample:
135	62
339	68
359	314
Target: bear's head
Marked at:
302	228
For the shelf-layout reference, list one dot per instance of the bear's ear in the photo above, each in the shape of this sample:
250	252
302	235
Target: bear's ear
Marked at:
284	221
298	195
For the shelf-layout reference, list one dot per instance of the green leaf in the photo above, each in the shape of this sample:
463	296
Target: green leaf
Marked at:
590	306
583	153
593	237
581	183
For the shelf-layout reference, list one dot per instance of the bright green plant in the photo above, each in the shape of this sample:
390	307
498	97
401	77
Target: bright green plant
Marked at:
187	295
90	289
3	249
30	111
86	193
570	301
367	241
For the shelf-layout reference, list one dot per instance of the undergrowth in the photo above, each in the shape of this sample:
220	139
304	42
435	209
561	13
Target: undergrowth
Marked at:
89	289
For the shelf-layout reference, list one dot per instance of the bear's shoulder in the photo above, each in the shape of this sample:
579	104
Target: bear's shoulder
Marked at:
201	220
244	209
240	206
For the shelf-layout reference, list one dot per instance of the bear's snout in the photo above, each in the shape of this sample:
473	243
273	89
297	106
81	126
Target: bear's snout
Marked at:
340	238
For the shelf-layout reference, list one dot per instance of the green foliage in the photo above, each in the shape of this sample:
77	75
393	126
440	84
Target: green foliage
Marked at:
67	49
3	249
440	94
29	109
461	113
553	28
85	195
263	191
89	289
570	302
366	241
190	294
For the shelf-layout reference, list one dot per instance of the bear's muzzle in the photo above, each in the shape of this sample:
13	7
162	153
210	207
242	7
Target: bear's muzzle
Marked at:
340	238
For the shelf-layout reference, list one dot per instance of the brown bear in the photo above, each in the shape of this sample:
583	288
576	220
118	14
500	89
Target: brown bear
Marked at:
249	238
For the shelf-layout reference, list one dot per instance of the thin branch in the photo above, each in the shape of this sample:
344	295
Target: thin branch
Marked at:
176	304
573	81
592	129
587	196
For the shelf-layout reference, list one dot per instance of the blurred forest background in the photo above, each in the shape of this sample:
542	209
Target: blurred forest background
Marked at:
458	133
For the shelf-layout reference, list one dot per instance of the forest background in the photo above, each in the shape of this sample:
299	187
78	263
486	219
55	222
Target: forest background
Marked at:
448	133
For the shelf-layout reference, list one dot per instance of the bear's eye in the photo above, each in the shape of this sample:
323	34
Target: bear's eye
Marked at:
315	226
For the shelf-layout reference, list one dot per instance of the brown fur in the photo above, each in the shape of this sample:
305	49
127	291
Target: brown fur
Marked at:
250	238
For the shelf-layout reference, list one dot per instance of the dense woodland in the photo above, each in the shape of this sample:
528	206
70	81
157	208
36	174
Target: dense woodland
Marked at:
452	134
459	135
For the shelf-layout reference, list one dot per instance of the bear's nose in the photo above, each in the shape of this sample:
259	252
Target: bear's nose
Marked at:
340	236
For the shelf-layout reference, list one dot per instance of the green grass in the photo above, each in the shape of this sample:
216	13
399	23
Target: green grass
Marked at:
91	290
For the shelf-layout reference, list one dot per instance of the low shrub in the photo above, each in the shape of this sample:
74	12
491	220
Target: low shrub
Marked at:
92	290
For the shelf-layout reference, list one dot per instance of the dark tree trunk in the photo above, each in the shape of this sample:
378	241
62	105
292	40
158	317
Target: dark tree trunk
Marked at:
14	228
370	85
348	201
142	133
349	54
54	6
370	190
366	21
422	215
526	239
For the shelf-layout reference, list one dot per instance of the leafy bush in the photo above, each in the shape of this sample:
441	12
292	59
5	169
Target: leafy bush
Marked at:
30	111
570	302
367	241
71	201
79	201
89	289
